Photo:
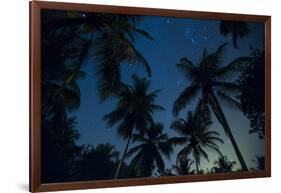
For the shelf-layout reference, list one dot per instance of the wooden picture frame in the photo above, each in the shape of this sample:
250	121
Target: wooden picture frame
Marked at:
35	96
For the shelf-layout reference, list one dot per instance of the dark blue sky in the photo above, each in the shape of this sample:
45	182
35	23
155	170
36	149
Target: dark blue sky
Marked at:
174	38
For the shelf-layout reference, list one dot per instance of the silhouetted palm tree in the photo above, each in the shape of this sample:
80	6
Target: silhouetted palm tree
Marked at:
109	37
223	165
92	158
66	100
133	111
149	153
107	151
195	135
116	46
183	167
209	79
238	29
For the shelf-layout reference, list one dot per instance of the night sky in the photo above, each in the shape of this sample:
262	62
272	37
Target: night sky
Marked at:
174	38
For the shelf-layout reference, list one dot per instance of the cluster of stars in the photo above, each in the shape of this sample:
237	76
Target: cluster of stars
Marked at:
189	35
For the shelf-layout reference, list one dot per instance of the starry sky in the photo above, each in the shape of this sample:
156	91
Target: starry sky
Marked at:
174	38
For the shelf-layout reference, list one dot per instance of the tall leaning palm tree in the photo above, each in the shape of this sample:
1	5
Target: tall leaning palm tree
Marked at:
149	153
237	29
211	81
133	111
195	135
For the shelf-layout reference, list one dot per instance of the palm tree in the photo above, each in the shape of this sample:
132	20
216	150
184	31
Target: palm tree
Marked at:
133	111
107	151
238	29
210	79
149	153
223	165
66	100
195	135
114	47
92	158
111	39
183	167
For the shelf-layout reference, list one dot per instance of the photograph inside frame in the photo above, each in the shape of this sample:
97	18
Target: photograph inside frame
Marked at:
131	96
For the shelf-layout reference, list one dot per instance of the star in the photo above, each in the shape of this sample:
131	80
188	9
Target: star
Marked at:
178	82
205	38
187	34
192	39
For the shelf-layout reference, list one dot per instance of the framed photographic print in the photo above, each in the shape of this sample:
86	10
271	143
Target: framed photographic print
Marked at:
123	96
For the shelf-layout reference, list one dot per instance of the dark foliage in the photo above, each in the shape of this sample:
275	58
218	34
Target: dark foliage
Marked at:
59	151
195	136
92	158
105	38
252	95
210	80
133	111
67	38
183	167
58	133
222	165
237	29
154	145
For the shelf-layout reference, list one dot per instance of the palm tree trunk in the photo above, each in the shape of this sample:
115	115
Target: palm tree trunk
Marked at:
123	156
215	105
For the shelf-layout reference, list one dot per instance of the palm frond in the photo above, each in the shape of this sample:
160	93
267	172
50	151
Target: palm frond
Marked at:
187	67
216	149
230	69
139	138
135	57
114	117
188	94
178	140
134	150
144	33
229	101
165	148
227	87
180	126
203	153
